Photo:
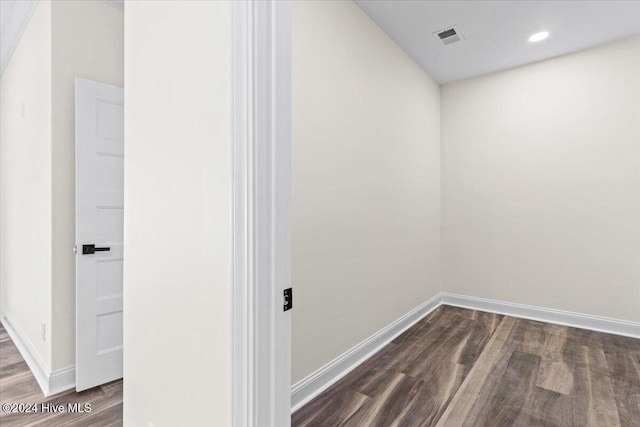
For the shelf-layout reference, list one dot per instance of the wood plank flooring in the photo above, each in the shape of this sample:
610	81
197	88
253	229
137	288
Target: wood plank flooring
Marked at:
459	367
17	385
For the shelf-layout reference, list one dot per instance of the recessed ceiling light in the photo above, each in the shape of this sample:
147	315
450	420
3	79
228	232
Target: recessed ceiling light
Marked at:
539	36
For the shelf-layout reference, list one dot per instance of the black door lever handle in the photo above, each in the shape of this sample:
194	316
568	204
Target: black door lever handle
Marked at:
91	249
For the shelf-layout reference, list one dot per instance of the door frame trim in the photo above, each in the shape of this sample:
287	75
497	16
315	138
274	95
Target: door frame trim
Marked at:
261	183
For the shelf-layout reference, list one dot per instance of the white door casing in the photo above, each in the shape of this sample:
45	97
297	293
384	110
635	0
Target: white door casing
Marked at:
261	144
99	221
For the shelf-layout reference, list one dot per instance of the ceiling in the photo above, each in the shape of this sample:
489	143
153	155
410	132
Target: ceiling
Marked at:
14	15
6	7
496	33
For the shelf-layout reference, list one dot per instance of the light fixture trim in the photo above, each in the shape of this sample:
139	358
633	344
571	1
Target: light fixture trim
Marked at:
539	36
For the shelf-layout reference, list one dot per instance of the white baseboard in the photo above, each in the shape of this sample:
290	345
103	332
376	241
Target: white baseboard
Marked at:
50	382
38	367
309	387
62	380
548	315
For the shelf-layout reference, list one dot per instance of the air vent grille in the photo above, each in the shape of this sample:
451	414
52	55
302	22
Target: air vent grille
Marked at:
448	33
448	36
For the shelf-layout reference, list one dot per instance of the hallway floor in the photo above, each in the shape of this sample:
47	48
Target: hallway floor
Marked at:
460	367
17	385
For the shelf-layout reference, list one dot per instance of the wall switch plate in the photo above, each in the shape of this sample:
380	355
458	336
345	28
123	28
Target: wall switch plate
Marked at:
43	331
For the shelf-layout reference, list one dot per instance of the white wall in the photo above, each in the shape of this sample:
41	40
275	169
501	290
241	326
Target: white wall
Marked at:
541	183
25	152
366	182
88	42
177	216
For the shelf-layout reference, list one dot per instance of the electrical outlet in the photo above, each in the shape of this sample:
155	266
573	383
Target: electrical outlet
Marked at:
44	331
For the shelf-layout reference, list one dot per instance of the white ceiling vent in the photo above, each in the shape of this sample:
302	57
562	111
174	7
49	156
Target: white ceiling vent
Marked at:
448	36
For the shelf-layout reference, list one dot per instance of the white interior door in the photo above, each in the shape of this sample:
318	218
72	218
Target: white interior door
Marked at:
99	232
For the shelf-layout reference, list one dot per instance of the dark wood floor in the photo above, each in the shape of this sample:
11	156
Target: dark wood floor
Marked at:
459	367
17	385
